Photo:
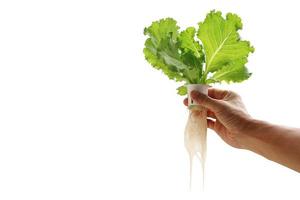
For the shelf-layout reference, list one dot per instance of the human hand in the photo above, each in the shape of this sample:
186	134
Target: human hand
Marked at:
227	115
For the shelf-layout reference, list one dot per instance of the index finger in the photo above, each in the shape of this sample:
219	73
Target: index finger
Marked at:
185	102
217	93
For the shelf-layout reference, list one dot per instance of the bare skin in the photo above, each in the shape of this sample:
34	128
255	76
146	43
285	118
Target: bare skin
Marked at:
228	117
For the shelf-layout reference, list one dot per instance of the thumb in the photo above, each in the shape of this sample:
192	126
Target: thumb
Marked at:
206	101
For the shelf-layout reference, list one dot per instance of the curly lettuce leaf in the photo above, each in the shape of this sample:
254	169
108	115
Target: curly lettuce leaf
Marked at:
235	71
192	55
178	55
161	49
222	43
182	90
189	44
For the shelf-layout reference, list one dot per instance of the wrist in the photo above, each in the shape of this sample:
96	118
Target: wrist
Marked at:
253	134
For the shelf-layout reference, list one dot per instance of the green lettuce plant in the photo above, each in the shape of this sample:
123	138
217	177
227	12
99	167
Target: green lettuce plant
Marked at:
212	53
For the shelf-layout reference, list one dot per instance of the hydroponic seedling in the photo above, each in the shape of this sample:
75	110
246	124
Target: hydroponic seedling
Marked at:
212	53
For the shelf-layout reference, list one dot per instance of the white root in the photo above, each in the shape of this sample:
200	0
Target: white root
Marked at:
195	137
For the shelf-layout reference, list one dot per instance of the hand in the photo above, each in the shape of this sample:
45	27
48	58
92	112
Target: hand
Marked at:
227	115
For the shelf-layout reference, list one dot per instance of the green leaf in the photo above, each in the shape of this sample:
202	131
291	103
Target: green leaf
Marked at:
151	56
162	50
192	55
221	41
188	43
182	90
159	30
233	72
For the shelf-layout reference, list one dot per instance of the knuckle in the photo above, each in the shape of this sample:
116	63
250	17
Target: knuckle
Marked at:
220	107
235	94
205	100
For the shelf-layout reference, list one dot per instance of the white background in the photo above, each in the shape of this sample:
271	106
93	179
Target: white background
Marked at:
84	116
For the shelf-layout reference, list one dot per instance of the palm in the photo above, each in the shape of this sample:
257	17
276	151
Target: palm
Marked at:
225	134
